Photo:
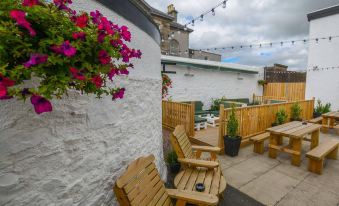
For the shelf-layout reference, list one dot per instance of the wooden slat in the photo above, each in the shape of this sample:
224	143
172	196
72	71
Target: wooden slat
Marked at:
208	181
184	179
192	180
306	130
215	182
323	149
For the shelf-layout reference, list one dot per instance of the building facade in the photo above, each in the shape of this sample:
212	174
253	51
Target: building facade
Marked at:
322	79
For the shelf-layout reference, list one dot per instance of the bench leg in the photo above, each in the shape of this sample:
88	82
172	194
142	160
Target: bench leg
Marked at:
280	140
315	166
258	147
272	153
315	139
333	155
296	146
324	128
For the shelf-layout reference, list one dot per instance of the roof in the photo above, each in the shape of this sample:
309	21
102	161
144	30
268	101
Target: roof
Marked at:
323	12
212	65
181	27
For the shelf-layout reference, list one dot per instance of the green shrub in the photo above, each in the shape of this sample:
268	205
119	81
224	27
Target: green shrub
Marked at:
281	116
322	109
232	124
216	103
296	111
172	158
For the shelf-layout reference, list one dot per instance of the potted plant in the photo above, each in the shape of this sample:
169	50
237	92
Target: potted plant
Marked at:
262	82
232	140
295	112
172	161
321	109
280	117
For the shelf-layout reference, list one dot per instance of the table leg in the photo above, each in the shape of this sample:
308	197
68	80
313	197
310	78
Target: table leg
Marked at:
332	121
325	125
272	152
315	138
280	140
296	146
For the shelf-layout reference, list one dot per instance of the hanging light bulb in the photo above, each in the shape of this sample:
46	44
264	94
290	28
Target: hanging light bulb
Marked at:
172	35
193	22
186	52
162	40
185	28
201	17
224	4
169	37
200	51
179	32
329	38
213	12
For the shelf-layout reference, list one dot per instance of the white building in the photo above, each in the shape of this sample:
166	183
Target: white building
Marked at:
202	80
323	83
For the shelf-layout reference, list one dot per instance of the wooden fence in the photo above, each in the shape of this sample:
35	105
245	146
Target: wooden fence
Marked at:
254	120
288	91
175	113
266	99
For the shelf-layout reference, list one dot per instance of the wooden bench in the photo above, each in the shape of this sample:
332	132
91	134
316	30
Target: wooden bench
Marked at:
336	127
317	120
258	142
317	155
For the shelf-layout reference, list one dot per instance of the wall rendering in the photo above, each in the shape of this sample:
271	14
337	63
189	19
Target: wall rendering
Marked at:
73	155
203	85
324	84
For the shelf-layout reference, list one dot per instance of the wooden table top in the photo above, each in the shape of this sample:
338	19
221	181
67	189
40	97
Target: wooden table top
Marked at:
294	129
333	114
213	180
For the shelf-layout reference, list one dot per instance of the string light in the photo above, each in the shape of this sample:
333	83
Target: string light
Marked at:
212	11
271	44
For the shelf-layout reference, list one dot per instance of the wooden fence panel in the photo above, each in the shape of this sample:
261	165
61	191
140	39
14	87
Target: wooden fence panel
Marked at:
287	91
175	113
254	120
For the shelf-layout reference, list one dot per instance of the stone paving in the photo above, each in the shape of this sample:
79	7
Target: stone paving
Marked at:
277	182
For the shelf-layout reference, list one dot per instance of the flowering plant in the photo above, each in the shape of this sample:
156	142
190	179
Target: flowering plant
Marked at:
60	48
166	83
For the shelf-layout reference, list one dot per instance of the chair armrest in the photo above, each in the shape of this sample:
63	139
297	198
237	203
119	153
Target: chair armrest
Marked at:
193	197
199	163
206	148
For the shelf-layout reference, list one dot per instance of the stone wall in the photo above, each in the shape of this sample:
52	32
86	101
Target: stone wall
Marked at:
73	155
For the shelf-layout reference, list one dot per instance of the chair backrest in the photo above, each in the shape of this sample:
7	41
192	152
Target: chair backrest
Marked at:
180	143
141	185
198	105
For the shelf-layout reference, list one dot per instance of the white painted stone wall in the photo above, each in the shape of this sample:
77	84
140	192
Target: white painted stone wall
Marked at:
206	84
324	84
73	155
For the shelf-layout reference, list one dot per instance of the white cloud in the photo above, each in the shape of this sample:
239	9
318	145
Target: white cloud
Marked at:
248	21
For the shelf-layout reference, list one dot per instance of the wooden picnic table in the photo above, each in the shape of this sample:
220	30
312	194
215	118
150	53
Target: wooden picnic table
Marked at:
296	132
329	120
213	180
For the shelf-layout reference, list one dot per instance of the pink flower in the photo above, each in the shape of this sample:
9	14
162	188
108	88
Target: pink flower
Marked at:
4	83
79	35
105	25
97	80
126	35
19	16
3	91
30	3
104	58
77	74
112	73
81	21
36	59
116	43
101	36
119	94
65	49
96	16
124	71
41	104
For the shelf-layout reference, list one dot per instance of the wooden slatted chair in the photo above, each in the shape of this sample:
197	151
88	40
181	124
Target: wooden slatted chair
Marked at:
189	154
141	185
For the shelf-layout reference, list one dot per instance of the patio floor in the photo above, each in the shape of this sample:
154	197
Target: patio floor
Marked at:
277	182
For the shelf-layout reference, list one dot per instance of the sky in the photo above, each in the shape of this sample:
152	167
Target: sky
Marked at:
248	22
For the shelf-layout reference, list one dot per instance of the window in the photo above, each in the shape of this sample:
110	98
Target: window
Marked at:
174	47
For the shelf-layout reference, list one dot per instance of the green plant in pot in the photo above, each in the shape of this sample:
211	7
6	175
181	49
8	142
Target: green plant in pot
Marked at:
262	82
232	140
172	161
295	112
280	118
321	109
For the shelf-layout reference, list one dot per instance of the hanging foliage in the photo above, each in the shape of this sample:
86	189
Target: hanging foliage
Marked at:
62	50
166	83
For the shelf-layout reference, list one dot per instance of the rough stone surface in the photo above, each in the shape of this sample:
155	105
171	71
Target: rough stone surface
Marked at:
73	155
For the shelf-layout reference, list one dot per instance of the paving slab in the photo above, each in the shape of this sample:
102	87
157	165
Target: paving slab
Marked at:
270	187
309	195
248	170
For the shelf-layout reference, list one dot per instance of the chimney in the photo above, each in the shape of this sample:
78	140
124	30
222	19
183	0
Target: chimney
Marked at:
172	12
